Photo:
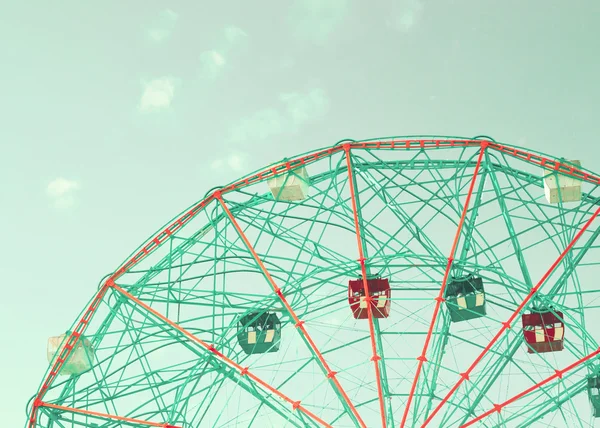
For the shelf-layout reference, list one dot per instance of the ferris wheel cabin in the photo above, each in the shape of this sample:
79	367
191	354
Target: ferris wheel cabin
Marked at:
259	333
465	298
562	188
543	331
80	360
594	394
290	187
379	290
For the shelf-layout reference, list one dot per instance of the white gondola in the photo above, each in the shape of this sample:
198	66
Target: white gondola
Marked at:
289	187
563	188
80	360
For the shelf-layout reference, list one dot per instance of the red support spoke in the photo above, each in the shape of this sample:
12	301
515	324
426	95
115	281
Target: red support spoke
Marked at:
242	371
506	325
330	374
438	301
283	167
375	358
107	416
557	375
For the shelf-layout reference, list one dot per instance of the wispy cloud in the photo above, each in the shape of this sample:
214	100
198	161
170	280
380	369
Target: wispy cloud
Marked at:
260	125
295	110
61	192
235	161
405	15
157	94
302	108
316	20
234	35
213	61
163	27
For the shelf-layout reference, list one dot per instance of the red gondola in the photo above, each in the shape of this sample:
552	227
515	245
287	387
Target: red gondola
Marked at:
379	289
544	331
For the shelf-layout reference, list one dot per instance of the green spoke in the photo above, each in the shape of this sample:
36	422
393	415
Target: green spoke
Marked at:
240	311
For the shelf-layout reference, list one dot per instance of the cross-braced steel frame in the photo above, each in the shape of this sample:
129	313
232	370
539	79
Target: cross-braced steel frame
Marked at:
417	211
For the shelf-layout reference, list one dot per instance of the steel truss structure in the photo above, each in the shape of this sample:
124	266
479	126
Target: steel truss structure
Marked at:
418	211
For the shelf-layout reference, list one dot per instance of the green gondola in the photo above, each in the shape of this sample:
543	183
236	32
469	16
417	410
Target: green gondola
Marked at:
259	333
465	298
594	394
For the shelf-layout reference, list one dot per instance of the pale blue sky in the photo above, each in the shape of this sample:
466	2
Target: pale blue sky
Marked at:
116	115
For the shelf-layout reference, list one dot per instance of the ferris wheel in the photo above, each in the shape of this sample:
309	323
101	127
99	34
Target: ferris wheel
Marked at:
408	281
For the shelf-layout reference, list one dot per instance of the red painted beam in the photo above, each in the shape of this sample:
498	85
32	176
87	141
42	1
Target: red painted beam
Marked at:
107	416
506	325
282	167
557	375
242	371
330	374
440	298
375	358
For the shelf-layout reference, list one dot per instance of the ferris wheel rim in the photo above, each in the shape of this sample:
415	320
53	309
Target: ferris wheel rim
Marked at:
218	191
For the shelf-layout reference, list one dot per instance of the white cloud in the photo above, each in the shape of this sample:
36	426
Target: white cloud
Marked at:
213	61
158	94
61	192
405	15
234	35
163	27
302	108
297	109
218	59
235	161
217	164
170	15
158	34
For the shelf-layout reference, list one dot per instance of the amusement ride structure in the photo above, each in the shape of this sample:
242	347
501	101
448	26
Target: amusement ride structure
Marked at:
409	281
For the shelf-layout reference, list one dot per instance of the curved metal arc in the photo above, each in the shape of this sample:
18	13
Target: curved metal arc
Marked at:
557	375
407	221
242	371
286	166
363	266
392	201
517	249
517	342
64	353
380	193
82	324
422	358
467	231
217	367
551	406
569	268
331	375
506	325
520	154
401	143
107	416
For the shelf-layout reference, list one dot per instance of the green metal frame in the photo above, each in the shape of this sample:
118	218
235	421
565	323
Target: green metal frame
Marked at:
164	326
